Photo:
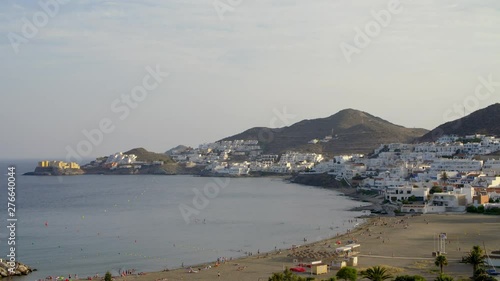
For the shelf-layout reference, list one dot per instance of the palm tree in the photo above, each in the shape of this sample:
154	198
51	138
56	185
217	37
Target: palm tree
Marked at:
474	257
444	180
444	177
376	273
441	261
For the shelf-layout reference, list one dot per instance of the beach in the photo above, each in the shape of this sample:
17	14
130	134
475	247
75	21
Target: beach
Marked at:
134	222
402	243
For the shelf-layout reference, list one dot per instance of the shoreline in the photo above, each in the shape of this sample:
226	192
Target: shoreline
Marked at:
201	262
402	244
279	253
350	231
355	229
350	193
384	239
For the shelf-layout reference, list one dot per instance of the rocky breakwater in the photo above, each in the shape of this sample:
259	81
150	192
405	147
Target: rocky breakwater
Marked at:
6	269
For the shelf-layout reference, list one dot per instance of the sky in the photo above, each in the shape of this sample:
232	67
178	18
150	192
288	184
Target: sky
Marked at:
96	77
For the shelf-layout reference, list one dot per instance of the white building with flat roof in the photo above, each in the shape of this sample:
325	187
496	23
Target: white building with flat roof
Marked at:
405	192
492	167
459	165
453	202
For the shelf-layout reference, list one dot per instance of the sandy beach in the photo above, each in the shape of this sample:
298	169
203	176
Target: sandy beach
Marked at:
403	243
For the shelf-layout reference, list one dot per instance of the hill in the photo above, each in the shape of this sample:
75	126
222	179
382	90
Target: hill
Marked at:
483	121
169	166
351	131
178	149
147	156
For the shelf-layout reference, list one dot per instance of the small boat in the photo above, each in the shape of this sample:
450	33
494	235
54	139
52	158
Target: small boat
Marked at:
492	272
492	261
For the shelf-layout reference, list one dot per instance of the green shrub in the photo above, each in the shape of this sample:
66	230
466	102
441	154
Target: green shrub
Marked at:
348	273
107	276
471	209
492	211
436	189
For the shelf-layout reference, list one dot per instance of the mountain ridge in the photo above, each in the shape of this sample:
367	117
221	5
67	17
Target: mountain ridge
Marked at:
351	131
482	121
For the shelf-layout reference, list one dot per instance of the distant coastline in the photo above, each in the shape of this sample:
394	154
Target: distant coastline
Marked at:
322	180
145	169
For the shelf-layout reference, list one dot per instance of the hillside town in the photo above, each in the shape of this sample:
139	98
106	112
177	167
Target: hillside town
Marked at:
452	174
242	157
119	160
443	176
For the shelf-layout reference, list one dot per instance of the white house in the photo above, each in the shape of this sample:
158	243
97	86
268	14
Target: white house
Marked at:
121	159
460	165
405	192
447	139
453	202
492	166
422	208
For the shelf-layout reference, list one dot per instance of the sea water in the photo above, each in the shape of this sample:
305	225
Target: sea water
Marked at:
93	223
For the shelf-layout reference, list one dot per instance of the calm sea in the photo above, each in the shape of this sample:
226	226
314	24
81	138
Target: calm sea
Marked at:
90	224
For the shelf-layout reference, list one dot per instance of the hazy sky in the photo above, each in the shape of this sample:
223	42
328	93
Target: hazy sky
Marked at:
233	65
